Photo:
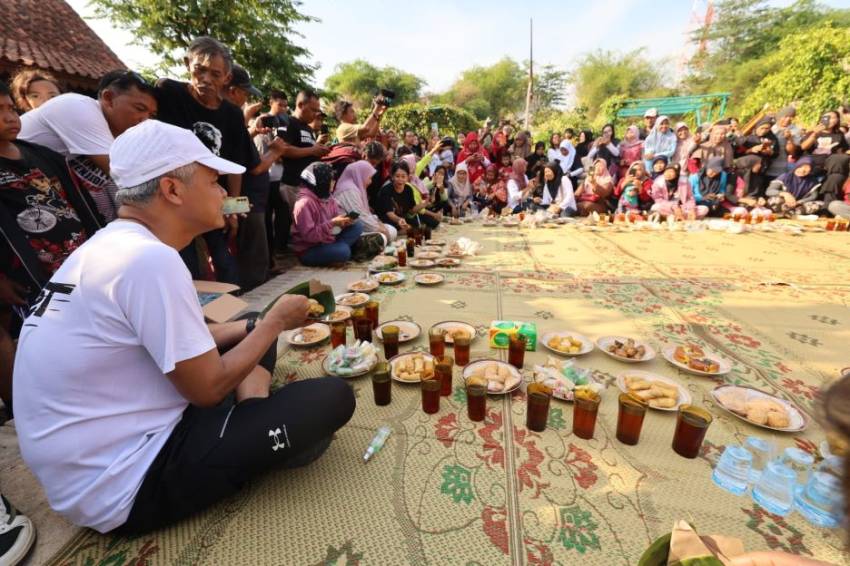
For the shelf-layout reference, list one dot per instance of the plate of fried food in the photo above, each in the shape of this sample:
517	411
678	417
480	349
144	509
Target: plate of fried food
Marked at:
427	255
390	277
435	242
564	378
657	391
429	278
352	299
421	263
309	335
693	359
567	343
448	262
760	408
407	330
454	328
412	367
625	349
499	378
455	249
316	308
363	286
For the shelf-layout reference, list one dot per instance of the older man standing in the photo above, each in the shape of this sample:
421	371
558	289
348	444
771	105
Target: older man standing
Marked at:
129	413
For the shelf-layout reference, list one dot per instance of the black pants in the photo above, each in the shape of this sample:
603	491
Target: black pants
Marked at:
278	221
213	451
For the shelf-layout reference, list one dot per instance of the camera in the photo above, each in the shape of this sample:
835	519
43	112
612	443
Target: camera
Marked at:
385	97
824	119
281	132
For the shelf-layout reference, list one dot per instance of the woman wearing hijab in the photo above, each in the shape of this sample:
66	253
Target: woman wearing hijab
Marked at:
716	146
475	156
321	235
582	148
631	149
460	191
685	143
592	195
670	197
637	177
567	156
557	194
661	141
519	187
350	196
826	139
521	148
607	148
711	186
491	191
499	147
833	189
795	192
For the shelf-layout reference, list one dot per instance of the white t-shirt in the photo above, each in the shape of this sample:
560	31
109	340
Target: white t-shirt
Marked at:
71	124
93	405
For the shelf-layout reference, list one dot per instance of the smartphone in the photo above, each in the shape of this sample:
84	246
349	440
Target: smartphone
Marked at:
281	132
324	129
824	119
236	205
268	121
354	215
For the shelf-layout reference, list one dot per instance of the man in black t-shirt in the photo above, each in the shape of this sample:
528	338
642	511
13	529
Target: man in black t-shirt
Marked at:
302	148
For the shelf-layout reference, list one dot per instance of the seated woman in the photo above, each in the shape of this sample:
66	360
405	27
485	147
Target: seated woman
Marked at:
519	187
711	186
421	194
637	176
491	193
439	192
834	188
460	192
824	140
539	156
592	195
672	197
795	192
660	141
659	164
557	194
350	195
607	147
747	195
631	149
396	204
321	235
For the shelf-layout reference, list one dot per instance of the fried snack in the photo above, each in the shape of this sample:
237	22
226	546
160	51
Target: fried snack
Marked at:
414	368
350	300
734	399
339	315
316	308
310	334
705	365
662	403
778	420
566	344
628	349
655	393
498	377
757	415
388	278
837	443
360	285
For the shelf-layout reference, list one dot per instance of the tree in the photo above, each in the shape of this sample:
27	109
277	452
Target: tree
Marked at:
359	80
418	118
602	74
550	88
495	91
258	33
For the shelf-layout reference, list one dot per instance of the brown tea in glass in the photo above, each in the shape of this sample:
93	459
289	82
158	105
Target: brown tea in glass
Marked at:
443	372
537	411
411	247
339	332
426	232
381	384
402	256
437	342
363	329
516	350
389	335
585	408
417	236
632	410
461	347
372	313
476	402
691	426
431	395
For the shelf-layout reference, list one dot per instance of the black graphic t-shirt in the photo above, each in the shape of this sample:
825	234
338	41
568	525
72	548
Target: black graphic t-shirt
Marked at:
33	196
298	134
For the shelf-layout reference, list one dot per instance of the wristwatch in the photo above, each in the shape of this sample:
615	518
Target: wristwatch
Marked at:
250	324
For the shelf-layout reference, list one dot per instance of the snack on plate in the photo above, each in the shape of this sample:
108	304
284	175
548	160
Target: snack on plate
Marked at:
339	315
756	409
429	278
457	332
415	367
352	299
316	308
351	360
564	378
388	277
655	393
694	357
496	375
307	335
627	349
362	285
566	344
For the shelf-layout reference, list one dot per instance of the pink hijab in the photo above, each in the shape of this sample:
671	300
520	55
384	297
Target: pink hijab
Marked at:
355	178
410	159
518	174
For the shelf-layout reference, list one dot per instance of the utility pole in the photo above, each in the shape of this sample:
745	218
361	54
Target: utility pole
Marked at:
530	72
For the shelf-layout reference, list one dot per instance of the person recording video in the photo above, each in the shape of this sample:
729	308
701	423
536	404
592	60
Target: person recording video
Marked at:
349	131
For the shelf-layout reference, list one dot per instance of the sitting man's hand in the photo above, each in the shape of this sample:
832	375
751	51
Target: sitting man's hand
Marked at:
290	311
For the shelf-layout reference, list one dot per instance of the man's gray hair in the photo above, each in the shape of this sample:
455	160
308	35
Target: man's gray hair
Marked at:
144	193
206	47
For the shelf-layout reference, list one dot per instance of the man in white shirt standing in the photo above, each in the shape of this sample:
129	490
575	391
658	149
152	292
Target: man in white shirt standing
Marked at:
127	411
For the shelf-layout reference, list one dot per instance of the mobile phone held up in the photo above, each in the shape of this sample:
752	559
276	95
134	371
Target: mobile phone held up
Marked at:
268	121
354	215
385	97
236	205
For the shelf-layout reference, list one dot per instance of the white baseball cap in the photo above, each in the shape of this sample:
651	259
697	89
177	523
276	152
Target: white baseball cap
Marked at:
651	113
152	148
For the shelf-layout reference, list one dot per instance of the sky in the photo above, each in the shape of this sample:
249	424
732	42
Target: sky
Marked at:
438	39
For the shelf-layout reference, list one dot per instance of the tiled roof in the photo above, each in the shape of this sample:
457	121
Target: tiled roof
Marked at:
50	35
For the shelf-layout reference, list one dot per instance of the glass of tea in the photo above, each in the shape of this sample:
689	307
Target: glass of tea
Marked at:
402	256
381	384
339	332
411	247
537	411
437	341
363	329
372	313
461	347
476	402
630	419
585	408
431	395
516	350
443	371
691	424
426	232
417	236
389	335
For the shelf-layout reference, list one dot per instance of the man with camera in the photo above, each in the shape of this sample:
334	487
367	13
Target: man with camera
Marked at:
349	131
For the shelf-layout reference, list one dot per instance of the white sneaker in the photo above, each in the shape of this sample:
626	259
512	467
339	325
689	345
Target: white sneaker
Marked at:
16	534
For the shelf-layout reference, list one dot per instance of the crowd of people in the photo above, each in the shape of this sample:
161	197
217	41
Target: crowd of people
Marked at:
111	206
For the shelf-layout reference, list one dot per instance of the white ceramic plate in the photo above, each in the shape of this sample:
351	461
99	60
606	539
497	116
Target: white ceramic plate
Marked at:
390	277
605	341
407	331
798	421
429	278
352	300
394	360
450	325
298	337
363	286
448	262
327	369
420	263
725	365
435	242
510	224
586	343
431	248
684	395
467	371
383	263
427	255
341	313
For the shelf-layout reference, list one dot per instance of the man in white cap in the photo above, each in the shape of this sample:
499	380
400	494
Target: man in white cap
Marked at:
131	411
649	118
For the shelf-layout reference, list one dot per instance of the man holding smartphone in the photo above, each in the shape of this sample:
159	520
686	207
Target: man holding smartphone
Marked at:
302	149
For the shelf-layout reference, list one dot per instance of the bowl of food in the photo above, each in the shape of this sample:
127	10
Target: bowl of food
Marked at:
625	349
760	408
498	377
564	378
567	343
412	367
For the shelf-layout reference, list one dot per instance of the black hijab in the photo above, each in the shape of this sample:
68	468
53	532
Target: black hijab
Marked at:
318	177
555	184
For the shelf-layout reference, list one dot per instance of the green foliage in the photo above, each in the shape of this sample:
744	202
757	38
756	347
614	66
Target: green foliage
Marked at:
418	118
495	91
258	32
359	80
549	120
812	69
550	87
602	74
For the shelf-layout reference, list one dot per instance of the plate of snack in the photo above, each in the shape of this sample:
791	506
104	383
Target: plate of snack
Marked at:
429	278
567	343
455	327
352	299
412	367
427	255
657	391
447	262
626	349
390	277
510	223
431	248
435	242
499	378
308	335
363	285
341	313
407	331
383	263
351	361
421	263
564	378
760	408
317	309
693	359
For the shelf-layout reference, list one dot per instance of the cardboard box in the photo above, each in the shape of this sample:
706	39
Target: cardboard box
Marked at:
502	330
217	302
